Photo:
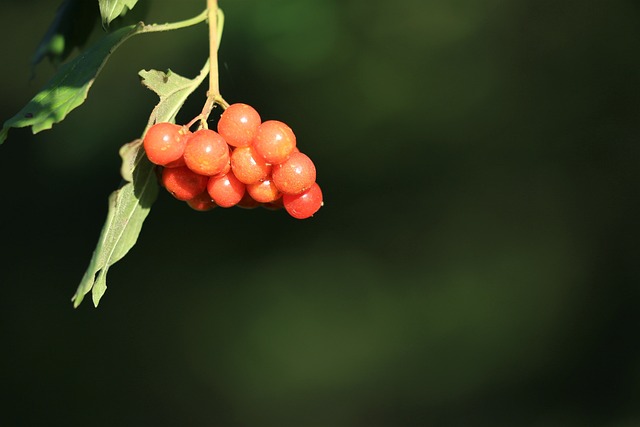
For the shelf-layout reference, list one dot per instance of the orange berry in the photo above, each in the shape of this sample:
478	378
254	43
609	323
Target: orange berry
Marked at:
183	183
164	143
264	191
238	124
274	141
305	204
206	152
295	174
225	190
248	166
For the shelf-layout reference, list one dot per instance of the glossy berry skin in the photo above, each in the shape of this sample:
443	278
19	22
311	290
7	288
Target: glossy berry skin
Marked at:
183	183
264	191
164	143
305	204
206	152
274	141
225	190
238	124
248	166
295	174
202	202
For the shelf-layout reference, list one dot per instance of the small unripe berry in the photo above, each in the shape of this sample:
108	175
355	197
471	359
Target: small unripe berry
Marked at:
274	141
295	174
305	204
206	152
225	190
238	124
164	143
183	183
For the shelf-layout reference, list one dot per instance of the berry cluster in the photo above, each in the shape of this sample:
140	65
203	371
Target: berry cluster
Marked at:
246	163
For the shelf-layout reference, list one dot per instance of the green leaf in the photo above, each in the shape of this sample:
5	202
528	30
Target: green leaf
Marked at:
173	90
69	87
130	205
128	208
70	28
112	9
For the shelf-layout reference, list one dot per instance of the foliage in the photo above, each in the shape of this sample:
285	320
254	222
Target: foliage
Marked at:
68	89
130	205
74	21
111	9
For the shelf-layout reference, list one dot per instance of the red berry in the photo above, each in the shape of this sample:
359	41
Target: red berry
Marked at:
176	163
274	141
183	183
227	166
264	191
225	190
202	202
305	204
206	152
294	175
164	143
248	166
186	133
248	202
238	124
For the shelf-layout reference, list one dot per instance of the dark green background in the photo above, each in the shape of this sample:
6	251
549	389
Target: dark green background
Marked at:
476	262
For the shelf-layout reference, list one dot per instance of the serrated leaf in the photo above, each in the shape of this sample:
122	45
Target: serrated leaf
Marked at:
128	208
69	29
111	9
68	88
130	205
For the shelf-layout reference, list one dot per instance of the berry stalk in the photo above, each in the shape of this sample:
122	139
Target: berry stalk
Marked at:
216	21
214	87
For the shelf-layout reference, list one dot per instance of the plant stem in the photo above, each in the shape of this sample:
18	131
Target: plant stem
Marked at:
216	21
151	28
214	87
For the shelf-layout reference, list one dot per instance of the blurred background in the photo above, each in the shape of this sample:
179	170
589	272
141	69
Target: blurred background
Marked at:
475	263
